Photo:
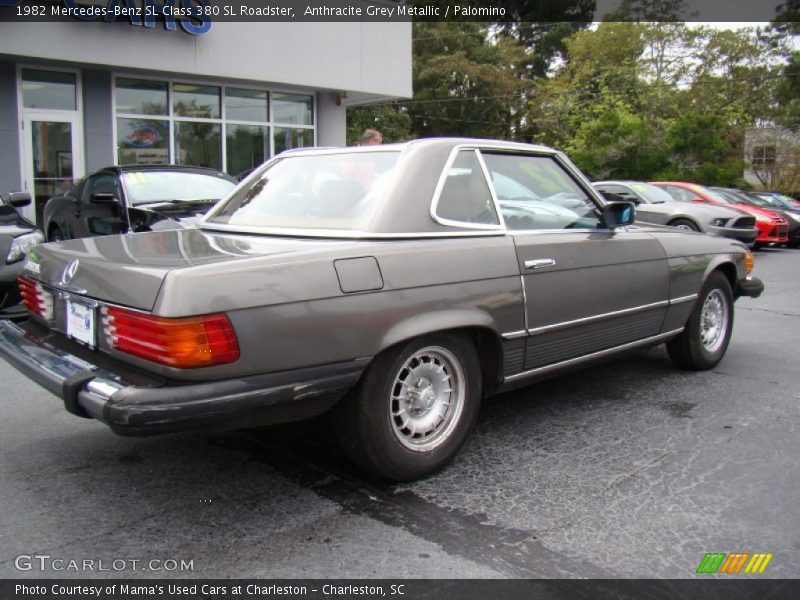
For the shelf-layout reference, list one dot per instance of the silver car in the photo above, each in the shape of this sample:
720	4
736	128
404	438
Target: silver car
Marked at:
395	286
654	206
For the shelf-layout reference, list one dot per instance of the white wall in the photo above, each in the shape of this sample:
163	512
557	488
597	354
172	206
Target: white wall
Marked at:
362	59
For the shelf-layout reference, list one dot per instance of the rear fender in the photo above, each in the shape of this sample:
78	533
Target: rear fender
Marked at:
435	321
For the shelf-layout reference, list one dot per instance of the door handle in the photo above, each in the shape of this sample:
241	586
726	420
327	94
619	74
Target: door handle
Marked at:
539	263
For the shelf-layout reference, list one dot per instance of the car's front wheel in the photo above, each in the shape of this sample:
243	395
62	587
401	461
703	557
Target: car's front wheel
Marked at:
414	407
684	224
704	340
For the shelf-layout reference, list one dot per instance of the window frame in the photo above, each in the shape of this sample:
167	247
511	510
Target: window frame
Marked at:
223	121
558	157
759	159
443	177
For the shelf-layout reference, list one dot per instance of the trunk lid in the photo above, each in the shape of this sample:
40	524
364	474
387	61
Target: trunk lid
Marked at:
129	270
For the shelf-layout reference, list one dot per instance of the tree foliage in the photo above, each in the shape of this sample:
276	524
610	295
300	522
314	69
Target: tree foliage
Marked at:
626	99
658	100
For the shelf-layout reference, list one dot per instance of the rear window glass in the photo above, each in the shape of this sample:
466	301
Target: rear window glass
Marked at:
340	191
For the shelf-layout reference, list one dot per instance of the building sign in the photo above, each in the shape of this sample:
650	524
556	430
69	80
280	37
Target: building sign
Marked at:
143	137
193	16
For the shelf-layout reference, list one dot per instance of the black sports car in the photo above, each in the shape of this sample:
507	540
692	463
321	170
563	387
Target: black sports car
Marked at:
134	198
17	236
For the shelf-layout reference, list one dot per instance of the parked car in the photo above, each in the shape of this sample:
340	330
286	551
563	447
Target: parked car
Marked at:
770	202
781	199
134	198
391	284
655	206
17	236
772	227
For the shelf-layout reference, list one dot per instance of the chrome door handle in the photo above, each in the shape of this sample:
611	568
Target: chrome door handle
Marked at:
539	263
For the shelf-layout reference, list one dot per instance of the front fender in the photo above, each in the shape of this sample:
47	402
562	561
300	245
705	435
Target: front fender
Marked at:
731	264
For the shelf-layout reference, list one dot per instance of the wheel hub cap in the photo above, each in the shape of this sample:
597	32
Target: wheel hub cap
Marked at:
427	398
713	321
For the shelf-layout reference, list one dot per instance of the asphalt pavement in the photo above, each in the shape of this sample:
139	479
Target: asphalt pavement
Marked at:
629	469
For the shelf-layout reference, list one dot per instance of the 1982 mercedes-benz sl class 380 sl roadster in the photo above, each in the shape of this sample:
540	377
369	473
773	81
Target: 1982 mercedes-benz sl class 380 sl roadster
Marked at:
397	285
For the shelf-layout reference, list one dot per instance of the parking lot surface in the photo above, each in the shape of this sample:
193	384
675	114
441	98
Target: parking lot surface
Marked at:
629	469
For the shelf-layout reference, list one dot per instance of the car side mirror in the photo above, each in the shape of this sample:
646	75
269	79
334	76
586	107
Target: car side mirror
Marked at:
699	200
618	214
103	198
19	199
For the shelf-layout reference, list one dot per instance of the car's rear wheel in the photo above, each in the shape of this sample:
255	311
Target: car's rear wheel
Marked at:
55	234
684	224
414	407
704	340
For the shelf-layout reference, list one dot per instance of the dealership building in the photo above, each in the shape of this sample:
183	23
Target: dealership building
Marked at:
79	95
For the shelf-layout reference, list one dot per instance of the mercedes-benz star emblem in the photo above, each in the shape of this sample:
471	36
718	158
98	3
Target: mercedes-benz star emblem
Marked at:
69	272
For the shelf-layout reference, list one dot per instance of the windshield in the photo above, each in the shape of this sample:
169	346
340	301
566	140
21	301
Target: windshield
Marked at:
651	193
338	191
143	187
786	201
716	196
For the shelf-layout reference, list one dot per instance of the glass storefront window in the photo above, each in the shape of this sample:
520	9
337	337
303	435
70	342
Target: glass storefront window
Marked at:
141	97
287	138
217	126
142	141
245	105
198	101
247	146
48	89
294	109
198	144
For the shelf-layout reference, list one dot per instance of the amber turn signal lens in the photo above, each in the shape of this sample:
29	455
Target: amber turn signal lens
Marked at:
184	343
749	262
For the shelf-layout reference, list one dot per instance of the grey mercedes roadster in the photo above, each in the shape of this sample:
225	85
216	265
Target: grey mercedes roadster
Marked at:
394	286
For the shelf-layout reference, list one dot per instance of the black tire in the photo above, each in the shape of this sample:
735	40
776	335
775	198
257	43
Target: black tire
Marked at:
684	224
702	345
55	235
370	420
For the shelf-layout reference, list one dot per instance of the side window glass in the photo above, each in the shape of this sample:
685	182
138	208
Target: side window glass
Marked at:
465	196
105	183
679	193
535	192
614	193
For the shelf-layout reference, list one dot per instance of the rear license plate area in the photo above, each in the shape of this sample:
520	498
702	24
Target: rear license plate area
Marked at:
81	323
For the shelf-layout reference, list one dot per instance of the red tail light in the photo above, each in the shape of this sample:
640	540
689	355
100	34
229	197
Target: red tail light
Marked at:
184	343
36	299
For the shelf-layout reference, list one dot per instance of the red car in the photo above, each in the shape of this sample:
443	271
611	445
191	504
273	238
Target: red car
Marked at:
772	227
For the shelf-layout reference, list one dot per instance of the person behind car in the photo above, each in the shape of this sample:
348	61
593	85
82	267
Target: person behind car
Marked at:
371	137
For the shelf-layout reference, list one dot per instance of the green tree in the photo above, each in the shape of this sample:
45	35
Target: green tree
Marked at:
541	28
391	119
643	100
466	81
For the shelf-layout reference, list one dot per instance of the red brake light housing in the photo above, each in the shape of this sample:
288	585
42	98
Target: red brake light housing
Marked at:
183	343
35	298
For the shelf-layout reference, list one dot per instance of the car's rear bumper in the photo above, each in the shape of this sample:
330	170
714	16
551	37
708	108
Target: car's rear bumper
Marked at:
746	235
749	286
158	407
